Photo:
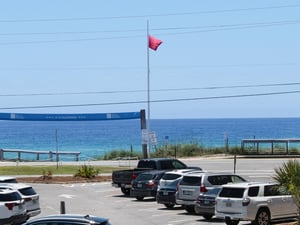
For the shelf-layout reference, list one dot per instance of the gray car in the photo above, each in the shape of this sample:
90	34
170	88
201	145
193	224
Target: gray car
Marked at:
69	219
145	185
205	203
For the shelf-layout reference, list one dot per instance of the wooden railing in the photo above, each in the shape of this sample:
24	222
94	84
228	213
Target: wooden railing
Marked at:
272	142
52	155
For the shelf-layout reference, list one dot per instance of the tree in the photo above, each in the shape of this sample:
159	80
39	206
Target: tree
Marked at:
288	176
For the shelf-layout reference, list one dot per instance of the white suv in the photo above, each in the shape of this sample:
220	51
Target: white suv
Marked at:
258	202
8	179
31	198
12	208
194	183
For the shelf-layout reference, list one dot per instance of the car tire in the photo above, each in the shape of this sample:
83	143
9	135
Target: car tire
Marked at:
208	216
231	222
125	191
139	198
189	208
169	205
262	217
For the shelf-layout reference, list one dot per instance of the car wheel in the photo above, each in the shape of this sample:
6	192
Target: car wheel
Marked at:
208	216
170	205
125	191
189	208
262	217
231	222
140	198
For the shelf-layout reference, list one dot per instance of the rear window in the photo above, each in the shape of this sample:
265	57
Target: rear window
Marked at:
147	164
10	180
191	181
7	197
145	176
27	191
232	192
171	176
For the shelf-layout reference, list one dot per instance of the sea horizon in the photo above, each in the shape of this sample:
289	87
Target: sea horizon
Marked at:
96	138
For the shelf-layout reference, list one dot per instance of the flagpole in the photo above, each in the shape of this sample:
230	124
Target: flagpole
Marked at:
148	92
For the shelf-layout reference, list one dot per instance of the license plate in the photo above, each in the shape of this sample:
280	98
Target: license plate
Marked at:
187	192
206	202
165	193
228	204
139	185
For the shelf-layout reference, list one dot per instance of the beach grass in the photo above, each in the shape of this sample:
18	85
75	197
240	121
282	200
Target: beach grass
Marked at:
179	151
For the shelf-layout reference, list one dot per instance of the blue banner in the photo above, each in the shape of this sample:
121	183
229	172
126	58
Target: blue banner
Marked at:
70	117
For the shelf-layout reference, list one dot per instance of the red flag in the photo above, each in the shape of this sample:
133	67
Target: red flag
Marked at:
153	42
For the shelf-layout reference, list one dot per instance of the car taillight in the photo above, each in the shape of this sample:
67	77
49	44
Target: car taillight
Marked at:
134	176
203	188
177	187
10	206
27	199
245	201
150	184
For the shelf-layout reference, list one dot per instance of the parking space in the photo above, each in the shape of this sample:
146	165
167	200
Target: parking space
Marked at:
102	199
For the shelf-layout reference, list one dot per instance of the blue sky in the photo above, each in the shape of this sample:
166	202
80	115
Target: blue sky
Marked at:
219	59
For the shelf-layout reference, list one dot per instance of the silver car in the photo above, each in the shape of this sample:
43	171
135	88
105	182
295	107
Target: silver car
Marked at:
205	203
168	186
258	202
194	183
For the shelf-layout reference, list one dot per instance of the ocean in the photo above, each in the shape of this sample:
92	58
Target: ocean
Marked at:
95	138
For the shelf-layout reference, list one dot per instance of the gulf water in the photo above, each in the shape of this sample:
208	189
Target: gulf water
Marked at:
95	138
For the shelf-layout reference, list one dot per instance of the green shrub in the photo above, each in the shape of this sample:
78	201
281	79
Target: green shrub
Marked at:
86	172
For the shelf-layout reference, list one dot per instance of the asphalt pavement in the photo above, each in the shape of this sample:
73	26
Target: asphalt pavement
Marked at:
104	200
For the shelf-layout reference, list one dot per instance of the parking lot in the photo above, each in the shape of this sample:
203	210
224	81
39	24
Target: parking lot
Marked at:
104	200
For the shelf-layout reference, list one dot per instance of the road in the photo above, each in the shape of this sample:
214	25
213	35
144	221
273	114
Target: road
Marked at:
104	200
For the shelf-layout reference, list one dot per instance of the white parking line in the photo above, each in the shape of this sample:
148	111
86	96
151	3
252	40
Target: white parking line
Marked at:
66	196
180	221
163	214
